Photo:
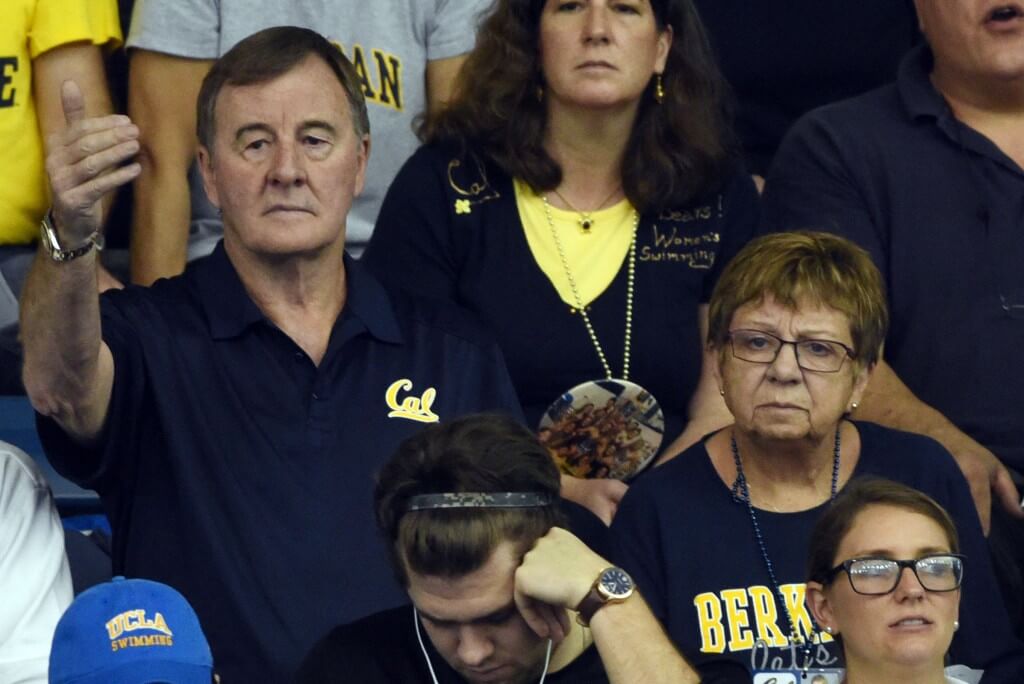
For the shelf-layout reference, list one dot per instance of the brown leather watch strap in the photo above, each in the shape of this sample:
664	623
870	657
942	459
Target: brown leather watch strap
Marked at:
589	605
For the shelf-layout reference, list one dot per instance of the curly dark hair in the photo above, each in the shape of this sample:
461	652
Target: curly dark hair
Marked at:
679	150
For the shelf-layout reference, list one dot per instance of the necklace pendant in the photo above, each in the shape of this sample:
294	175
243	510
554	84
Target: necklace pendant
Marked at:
586	223
609	428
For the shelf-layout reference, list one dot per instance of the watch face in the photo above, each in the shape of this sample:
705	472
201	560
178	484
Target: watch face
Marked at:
616	583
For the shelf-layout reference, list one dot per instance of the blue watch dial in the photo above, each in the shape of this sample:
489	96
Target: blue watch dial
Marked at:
616	582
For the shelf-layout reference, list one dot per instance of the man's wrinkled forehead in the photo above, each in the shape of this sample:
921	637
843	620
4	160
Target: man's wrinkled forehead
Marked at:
312	69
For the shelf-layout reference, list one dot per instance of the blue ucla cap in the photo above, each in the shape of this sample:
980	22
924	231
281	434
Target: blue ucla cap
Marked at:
130	631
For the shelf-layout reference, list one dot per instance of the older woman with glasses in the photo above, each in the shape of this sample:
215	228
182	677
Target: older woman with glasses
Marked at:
885	575
717	537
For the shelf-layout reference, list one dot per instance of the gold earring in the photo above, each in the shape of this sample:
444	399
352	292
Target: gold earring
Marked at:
659	90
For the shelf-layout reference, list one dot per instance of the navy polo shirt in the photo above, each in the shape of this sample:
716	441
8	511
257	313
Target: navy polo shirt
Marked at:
941	210
237	471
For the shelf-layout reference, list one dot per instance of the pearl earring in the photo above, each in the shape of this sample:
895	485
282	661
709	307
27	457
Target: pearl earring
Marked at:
853	406
956	625
828	629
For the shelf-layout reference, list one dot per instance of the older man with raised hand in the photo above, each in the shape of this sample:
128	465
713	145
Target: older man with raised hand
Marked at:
232	418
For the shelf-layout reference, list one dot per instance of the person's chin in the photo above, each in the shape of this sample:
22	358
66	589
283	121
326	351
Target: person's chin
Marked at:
600	96
917	651
782	425
504	674
295	240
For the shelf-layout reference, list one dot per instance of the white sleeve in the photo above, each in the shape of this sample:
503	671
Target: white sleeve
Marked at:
35	583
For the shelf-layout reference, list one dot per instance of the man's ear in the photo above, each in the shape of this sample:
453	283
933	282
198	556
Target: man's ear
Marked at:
821	609
364	159
208	174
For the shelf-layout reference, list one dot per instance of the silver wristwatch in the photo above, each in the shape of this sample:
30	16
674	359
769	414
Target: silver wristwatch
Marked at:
48	236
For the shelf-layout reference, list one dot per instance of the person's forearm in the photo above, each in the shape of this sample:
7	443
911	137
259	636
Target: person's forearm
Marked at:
707	410
160	218
700	425
888	401
166	119
635	649
60	331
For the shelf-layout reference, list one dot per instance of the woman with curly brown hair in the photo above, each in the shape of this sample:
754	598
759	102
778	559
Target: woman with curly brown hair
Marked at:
581	195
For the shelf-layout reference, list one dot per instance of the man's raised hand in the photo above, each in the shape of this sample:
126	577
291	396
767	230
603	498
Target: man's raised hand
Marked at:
84	163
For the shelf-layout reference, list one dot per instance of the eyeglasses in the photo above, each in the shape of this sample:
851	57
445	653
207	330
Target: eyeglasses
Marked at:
822	356
878	576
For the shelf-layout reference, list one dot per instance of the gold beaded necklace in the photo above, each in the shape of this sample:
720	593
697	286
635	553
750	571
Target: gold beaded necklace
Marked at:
630	280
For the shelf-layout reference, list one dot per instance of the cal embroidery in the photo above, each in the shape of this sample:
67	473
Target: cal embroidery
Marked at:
411	407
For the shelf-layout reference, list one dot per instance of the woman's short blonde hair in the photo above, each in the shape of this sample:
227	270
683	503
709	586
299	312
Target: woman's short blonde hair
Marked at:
803	268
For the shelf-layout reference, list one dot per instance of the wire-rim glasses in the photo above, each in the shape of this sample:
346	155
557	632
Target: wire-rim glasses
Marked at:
757	346
879	576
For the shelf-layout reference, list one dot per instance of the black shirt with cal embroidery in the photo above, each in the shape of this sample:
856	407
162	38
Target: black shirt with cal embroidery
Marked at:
240	472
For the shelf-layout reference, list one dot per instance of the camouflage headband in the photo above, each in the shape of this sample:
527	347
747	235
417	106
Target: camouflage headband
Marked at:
426	502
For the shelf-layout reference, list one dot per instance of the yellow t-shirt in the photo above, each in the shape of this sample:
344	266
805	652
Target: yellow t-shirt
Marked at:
29	28
594	258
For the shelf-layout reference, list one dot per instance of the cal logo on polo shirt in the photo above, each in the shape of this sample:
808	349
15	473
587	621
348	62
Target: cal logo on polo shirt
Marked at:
412	407
136	620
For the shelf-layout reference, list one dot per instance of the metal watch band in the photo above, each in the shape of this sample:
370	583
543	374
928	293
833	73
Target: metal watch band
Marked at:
48	236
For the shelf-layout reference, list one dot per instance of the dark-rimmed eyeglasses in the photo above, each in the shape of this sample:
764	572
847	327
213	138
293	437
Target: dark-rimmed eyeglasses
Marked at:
757	346
878	576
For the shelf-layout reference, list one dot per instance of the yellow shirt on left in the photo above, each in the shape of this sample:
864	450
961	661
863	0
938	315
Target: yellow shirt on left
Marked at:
29	28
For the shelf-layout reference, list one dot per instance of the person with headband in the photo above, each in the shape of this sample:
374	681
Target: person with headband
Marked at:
885	575
472	512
